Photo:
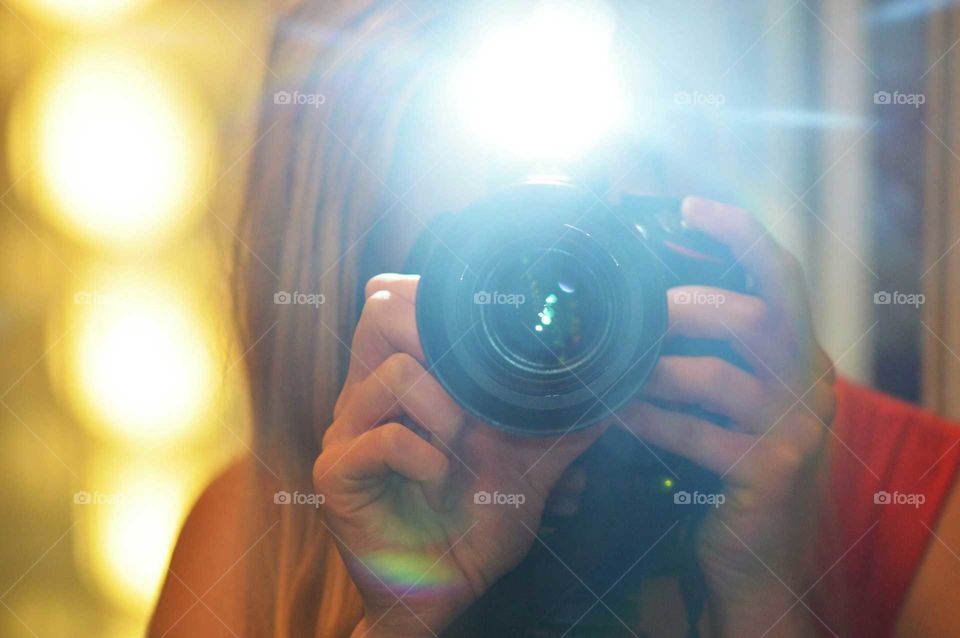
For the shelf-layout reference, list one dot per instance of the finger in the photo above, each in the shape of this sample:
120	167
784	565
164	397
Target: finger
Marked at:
743	321
770	343
399	387
713	313
708	445
402	285
769	264
379	453
711	384
387	325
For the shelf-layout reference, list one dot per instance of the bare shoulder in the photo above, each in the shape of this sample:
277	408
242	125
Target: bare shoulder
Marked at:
201	595
931	605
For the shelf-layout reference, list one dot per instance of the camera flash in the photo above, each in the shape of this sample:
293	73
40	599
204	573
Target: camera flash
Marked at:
543	87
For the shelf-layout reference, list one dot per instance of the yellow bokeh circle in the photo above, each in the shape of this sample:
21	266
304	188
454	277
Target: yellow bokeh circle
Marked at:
80	13
141	359
114	146
129	510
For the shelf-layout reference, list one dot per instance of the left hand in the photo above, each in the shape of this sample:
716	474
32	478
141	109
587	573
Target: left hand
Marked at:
754	549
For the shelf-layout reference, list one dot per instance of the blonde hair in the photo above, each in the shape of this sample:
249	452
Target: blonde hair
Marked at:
314	195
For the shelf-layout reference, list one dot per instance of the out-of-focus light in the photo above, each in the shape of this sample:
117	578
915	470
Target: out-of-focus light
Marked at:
129	516
82	13
544	87
142	365
137	538
118	146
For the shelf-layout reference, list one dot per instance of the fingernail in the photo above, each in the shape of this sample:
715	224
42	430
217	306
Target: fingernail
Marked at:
693	206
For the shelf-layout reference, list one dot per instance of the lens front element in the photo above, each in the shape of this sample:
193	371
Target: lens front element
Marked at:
539	313
558	315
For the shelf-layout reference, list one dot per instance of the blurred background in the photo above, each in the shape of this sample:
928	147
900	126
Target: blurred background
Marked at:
125	131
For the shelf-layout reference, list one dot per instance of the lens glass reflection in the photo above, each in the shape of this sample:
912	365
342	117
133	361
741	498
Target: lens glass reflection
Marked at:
546	309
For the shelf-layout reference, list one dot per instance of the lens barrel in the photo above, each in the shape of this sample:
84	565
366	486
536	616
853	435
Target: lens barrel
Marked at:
539	310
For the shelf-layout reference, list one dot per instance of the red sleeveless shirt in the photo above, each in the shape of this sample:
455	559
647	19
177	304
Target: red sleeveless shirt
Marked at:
891	467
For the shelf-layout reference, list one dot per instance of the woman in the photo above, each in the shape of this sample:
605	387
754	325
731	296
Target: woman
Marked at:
399	547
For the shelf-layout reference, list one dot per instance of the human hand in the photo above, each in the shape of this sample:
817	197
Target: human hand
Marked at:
408	508
753	549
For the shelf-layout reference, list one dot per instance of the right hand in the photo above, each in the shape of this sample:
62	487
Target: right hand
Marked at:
402	506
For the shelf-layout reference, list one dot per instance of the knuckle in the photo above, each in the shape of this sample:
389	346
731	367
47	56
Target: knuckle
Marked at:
715	374
458	416
327	439
715	384
690	435
377	307
392	437
401	371
380	310
754	317
321	470
788	458
374	285
370	318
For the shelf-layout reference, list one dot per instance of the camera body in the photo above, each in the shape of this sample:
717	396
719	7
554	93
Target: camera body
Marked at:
543	310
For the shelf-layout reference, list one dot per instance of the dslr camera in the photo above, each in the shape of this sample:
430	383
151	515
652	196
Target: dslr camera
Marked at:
541	309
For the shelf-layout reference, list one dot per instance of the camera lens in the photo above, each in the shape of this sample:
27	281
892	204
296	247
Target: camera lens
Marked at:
538	312
554	316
